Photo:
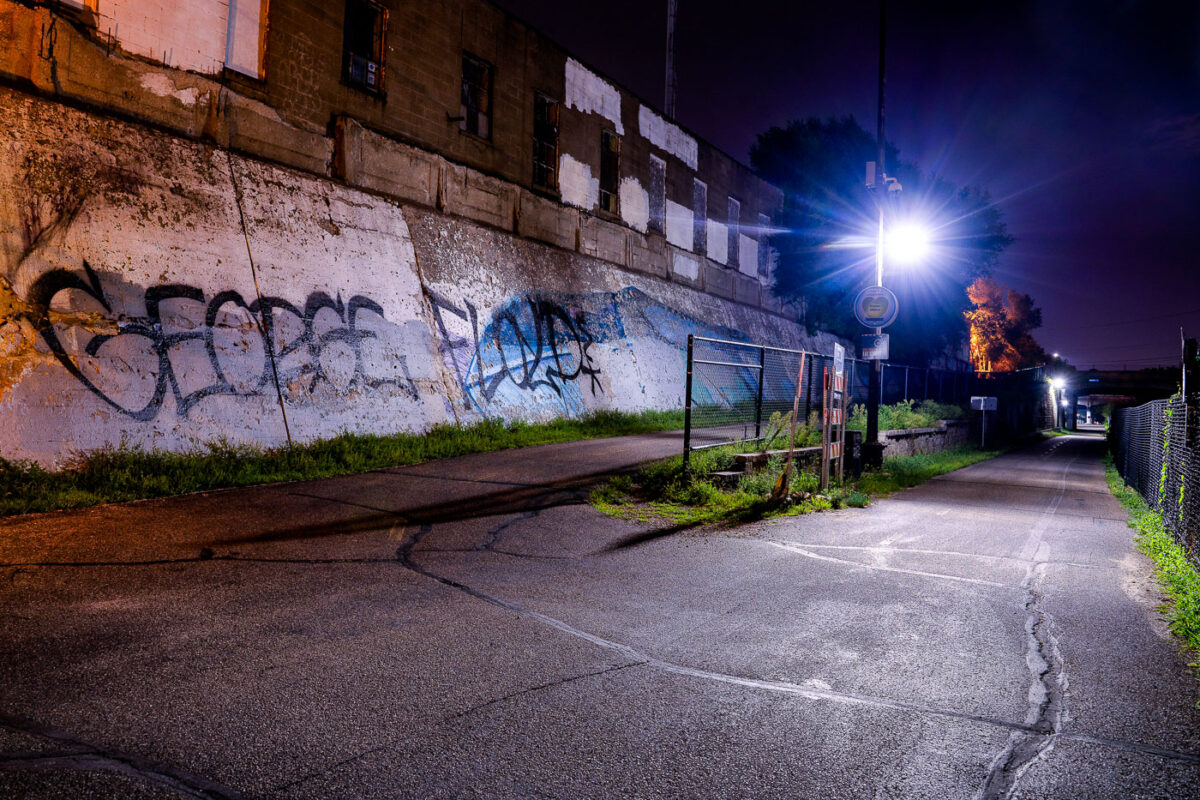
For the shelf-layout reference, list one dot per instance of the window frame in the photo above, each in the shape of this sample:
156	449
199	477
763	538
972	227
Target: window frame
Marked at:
700	217
610	156
658	196
469	115
733	222
550	167
379	46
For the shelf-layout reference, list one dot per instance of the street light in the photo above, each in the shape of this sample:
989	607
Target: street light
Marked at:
908	243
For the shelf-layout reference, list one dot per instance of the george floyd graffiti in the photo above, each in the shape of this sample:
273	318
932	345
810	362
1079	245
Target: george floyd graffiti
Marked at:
240	346
543	350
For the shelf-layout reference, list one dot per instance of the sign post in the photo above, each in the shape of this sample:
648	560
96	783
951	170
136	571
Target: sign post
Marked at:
833	416
983	405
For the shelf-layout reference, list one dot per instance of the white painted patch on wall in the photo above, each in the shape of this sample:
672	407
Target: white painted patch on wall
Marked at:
244	41
635	205
718	241
748	255
679	226
576	185
202	35
667	136
589	93
160	83
685	265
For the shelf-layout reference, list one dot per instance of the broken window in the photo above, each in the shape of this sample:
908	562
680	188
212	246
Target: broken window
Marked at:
476	109
658	194
610	170
363	44
735	212
545	142
699	216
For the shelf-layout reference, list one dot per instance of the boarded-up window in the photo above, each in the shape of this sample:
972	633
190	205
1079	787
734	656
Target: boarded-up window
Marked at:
658	194
735	213
363	37
610	170
545	142
476	109
699	216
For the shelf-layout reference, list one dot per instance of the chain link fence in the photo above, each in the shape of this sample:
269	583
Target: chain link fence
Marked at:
734	388
1155	450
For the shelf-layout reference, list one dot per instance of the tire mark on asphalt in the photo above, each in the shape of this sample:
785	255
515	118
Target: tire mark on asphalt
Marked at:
791	548
78	755
881	548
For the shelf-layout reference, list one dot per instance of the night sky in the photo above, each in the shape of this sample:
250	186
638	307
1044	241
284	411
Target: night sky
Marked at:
1081	119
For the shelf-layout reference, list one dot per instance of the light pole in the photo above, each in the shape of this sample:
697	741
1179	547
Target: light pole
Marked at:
872	449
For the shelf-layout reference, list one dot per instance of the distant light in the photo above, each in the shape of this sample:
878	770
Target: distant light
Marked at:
1058	383
1066	404
1093	380
907	243
1056	355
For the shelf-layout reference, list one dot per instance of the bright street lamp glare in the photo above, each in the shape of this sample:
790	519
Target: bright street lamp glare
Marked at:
1058	383
907	244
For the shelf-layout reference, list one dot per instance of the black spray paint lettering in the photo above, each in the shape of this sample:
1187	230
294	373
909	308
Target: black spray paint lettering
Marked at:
266	312
532	342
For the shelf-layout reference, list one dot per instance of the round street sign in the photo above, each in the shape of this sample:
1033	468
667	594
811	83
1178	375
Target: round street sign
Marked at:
876	307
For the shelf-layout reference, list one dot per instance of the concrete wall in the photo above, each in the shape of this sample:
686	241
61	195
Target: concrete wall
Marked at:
948	435
163	292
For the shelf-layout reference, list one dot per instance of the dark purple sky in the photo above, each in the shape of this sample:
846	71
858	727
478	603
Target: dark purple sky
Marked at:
1081	119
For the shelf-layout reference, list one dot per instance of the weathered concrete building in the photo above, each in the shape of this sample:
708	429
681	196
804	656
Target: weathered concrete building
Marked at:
255	221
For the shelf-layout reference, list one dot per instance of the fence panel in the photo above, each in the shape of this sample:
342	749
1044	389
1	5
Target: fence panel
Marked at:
734	387
1155	449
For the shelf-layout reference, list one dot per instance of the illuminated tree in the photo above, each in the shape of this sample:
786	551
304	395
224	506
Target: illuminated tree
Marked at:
1001	325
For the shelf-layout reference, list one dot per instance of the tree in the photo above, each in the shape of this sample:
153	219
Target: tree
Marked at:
1001	324
827	251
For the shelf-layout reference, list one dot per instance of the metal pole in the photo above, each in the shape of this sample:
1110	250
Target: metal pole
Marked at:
906	383
687	406
762	379
808	394
872	450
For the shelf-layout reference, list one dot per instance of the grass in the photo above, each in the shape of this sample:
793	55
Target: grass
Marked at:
1176	573
662	490
906	414
902	472
130	473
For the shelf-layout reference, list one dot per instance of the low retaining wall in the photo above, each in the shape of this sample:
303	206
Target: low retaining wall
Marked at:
947	435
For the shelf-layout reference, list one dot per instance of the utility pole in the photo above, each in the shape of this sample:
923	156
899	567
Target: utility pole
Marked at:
872	450
669	91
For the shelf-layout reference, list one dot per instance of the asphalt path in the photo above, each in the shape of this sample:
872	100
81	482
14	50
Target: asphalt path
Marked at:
471	628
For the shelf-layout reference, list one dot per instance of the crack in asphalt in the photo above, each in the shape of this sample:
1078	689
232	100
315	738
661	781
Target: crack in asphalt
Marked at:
78	755
550	685
1049	681
493	533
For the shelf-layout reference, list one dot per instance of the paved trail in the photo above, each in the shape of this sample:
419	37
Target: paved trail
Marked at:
470	628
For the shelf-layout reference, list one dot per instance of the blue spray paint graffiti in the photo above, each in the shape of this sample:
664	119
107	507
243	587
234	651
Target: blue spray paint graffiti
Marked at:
538	352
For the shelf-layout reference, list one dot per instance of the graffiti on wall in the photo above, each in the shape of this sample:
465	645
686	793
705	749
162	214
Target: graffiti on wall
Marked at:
529	344
315	347
540	349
